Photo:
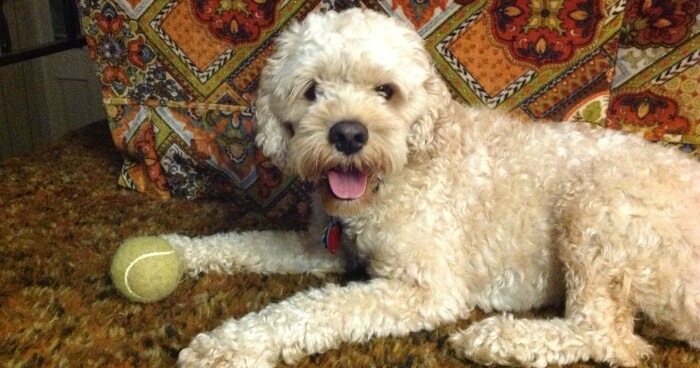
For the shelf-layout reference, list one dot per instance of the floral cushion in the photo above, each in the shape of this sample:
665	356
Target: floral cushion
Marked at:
179	76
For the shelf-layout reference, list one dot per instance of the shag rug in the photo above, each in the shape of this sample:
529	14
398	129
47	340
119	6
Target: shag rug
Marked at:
62	217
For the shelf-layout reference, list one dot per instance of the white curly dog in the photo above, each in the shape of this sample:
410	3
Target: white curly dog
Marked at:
452	208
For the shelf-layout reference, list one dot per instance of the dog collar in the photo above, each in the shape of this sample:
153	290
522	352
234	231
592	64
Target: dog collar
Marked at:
331	235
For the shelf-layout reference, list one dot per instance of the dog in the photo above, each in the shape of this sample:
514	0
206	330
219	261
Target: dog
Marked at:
451	208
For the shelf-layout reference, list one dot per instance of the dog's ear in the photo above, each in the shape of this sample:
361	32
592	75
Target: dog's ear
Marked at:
271	136
437	97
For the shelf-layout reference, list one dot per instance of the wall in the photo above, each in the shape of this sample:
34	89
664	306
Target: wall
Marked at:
43	99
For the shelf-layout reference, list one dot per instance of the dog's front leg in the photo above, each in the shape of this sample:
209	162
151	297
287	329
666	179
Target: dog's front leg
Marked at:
318	320
256	251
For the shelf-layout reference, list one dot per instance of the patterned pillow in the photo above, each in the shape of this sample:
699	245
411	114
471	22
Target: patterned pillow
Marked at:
179	77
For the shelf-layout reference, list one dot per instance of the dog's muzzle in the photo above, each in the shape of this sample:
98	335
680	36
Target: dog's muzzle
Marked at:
348	137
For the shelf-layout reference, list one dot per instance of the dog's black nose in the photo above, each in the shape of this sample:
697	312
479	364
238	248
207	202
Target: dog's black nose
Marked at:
348	136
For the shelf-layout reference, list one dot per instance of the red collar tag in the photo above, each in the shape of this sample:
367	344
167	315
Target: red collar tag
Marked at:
331	235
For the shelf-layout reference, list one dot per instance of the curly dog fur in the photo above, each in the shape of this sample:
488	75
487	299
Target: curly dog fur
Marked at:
452	208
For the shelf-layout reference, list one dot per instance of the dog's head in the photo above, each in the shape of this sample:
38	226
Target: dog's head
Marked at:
344	101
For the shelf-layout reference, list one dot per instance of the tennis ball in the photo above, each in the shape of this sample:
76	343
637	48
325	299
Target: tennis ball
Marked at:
146	269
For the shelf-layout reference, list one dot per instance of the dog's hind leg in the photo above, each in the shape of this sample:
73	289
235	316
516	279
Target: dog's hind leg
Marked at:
597	326
600	309
684	322
672	299
507	340
692	305
599	317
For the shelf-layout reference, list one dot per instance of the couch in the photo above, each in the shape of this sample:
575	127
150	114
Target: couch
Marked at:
179	78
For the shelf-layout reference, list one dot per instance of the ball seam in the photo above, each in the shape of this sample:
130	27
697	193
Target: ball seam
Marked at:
140	258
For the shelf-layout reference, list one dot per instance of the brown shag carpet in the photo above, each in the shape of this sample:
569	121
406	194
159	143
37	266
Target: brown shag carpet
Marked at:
62	217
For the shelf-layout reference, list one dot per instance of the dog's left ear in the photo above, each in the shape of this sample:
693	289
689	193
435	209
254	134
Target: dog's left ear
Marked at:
437	97
270	136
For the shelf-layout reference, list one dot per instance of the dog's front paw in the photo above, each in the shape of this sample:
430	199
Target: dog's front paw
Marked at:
210	350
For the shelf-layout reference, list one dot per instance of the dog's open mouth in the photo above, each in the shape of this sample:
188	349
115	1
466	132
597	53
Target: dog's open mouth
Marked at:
347	184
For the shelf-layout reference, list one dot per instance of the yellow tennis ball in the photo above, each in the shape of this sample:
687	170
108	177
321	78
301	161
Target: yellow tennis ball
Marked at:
146	269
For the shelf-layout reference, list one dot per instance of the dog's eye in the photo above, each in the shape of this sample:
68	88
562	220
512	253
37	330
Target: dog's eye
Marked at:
385	90
310	93
289	127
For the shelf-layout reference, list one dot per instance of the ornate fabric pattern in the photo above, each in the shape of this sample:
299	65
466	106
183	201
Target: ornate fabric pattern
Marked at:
657	73
543	58
179	76
541	32
236	21
658	23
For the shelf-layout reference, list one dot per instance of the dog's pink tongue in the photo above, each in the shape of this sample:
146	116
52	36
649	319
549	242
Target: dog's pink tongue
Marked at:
347	184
